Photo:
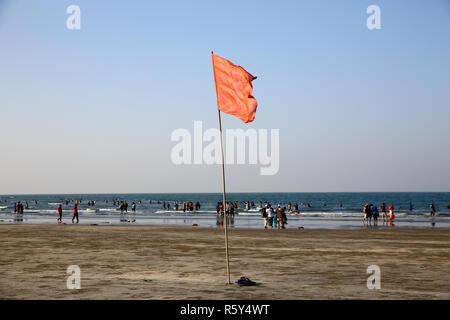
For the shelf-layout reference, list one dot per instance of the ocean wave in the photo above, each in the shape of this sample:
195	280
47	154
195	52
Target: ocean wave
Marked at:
187	212
249	213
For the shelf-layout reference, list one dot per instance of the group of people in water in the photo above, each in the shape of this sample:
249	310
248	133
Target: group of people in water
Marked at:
230	209
274	218
372	212
18	210
185	206
123	207
290	208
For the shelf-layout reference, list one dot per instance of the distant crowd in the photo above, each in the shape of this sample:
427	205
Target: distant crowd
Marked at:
371	213
273	218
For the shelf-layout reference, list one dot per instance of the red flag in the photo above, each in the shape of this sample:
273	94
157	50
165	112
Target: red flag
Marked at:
234	89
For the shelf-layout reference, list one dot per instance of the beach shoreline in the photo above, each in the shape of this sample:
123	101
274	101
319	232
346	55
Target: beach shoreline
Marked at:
185	262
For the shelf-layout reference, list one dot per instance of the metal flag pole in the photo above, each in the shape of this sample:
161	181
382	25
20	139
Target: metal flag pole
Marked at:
224	203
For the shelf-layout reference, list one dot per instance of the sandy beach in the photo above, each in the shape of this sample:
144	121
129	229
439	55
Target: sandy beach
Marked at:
132	262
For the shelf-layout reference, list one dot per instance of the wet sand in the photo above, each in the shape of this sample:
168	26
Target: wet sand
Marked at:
132	262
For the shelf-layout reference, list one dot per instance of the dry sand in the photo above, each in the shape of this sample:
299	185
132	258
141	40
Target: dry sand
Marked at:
132	262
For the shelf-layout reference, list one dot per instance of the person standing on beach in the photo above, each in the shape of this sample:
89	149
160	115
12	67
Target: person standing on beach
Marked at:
274	220
60	211
219	208
133	210
231	210
75	212
282	222
391	214
264	216
375	215
16	211
384	213
20	208
432	210
122	209
284	218
366	213
270	215
279	217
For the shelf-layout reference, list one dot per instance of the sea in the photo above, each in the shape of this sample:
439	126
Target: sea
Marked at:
326	210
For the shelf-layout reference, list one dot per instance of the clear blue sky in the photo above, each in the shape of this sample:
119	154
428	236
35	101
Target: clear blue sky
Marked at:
92	110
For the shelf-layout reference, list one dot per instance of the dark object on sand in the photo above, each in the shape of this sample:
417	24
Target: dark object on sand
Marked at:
301	227
195	225
243	281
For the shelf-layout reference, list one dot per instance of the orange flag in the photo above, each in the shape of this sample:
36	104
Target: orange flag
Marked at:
234	89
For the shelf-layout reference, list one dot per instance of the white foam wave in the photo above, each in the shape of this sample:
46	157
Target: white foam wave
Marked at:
187	212
246	213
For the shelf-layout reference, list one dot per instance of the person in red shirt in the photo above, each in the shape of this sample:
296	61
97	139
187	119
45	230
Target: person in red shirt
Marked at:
60	213
391	214
75	212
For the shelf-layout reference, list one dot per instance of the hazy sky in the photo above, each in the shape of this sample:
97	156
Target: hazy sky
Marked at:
92	110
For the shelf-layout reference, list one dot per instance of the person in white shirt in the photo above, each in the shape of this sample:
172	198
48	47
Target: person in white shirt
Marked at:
270	215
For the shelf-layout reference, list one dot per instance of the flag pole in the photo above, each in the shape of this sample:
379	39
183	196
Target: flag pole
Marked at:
224	203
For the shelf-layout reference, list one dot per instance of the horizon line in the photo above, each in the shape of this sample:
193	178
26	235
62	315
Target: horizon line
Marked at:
159	193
